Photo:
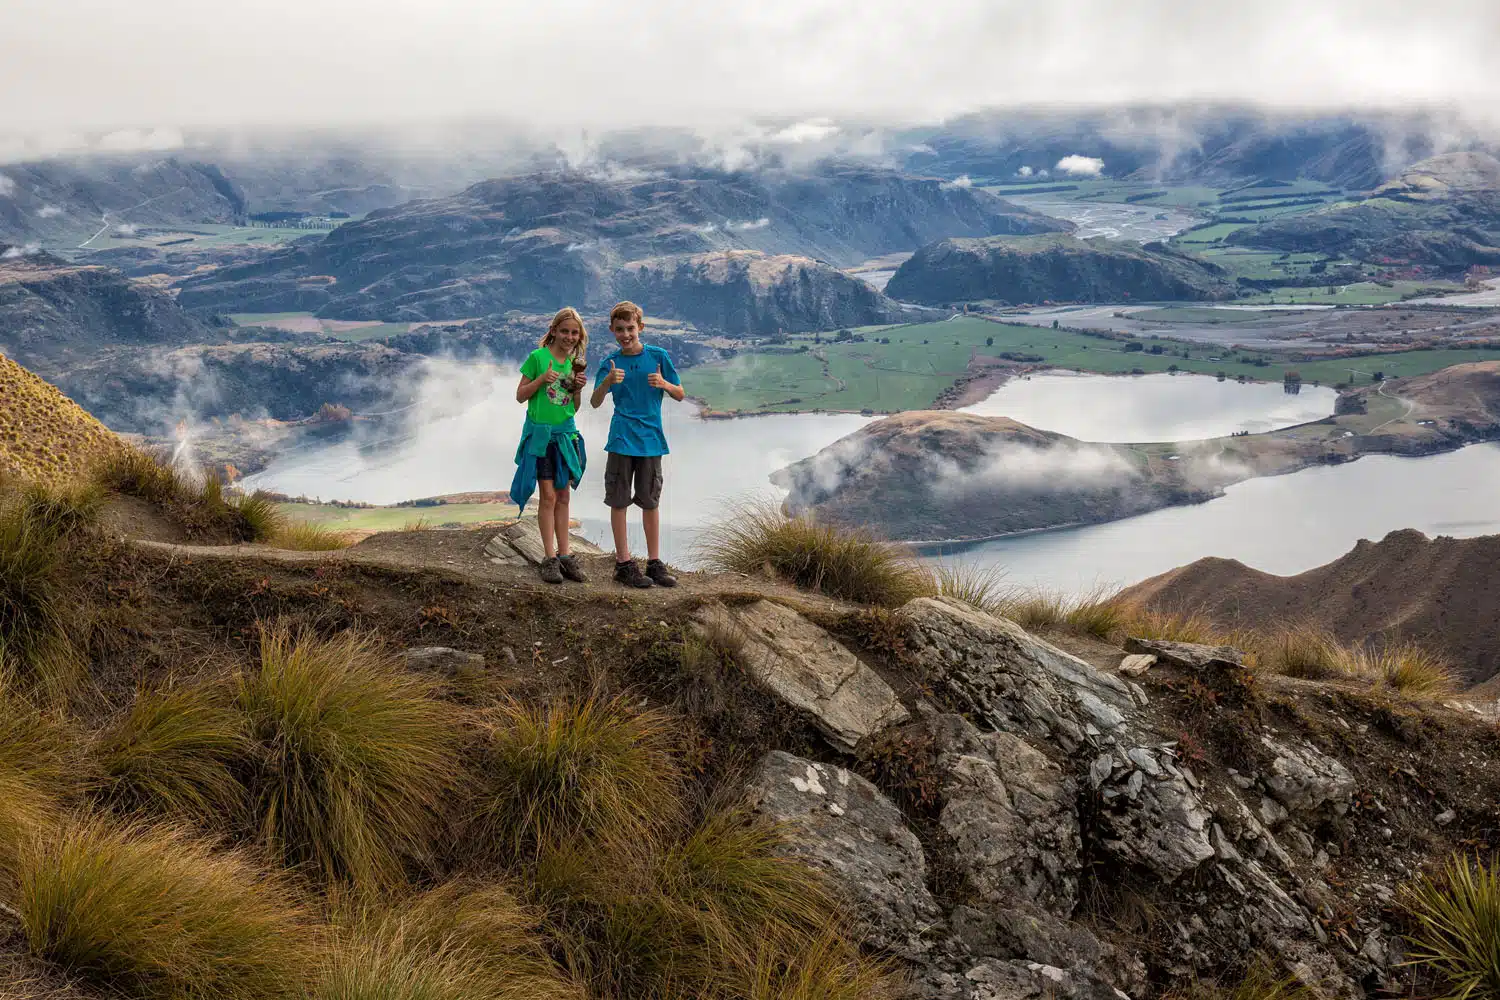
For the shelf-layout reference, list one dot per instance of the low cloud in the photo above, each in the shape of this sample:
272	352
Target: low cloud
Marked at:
130	140
12	253
1017	467
958	183
815	130
1024	172
760	223
1080	166
128	229
49	212
7	186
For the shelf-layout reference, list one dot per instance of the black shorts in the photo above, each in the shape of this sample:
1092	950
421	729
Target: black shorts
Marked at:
548	464
632	479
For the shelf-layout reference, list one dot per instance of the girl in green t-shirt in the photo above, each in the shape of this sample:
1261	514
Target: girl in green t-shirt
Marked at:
552	379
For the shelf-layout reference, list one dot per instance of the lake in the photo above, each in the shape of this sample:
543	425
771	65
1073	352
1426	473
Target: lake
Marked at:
1159	407
462	433
1280	524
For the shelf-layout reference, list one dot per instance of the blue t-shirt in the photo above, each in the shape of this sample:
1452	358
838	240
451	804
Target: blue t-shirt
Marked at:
635	429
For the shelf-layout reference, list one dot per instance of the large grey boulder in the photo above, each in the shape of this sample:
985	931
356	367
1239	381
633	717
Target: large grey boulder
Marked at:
808	669
1149	813
839	822
520	544
1307	781
1010	815
997	979
993	670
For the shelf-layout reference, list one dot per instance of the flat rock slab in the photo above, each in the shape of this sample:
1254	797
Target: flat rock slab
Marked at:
1188	655
1135	664
808	669
521	543
442	658
837	821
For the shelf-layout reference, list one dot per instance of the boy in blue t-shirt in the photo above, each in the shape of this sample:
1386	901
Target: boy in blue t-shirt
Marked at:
637	376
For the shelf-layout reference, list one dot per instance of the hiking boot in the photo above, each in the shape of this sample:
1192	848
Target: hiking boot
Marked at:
657	571
548	570
571	569
629	574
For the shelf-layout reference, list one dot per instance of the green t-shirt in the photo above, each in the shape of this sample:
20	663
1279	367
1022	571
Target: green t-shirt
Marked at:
553	403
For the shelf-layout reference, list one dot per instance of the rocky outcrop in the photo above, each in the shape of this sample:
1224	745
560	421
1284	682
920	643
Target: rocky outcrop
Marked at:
842	824
991	669
747	293
806	668
1054	269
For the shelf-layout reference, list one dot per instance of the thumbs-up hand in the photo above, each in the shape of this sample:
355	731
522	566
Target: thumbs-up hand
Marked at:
655	380
615	376
549	376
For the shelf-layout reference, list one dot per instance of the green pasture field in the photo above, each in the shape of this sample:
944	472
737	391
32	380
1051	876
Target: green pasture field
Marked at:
330	328
396	518
1361	293
909	374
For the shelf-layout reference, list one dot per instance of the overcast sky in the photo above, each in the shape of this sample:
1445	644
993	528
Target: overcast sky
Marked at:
98	64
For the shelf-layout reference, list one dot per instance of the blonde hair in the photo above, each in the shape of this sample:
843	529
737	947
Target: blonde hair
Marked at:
627	310
568	313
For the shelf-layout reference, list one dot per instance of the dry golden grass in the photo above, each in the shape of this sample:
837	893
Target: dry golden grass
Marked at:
150	912
39	772
1308	652
356	757
846	563
37	607
45	436
1408	668
304	536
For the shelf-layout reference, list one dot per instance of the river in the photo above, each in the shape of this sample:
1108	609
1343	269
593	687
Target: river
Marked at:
461	435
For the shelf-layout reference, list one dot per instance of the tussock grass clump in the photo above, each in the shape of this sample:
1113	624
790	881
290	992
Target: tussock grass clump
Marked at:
575	771
261	518
38	769
1408	668
976	586
152	913
1096	612
355	755
1455	932
1174	626
175	751
145	474
456	941
305	536
1308	652
846	563
715	914
34	603
64	508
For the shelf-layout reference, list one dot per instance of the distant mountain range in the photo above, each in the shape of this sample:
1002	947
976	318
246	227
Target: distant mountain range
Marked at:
542	240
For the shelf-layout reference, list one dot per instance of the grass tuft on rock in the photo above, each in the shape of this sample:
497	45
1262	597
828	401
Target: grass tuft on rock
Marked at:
846	563
147	912
575	772
355	756
176	751
1455	932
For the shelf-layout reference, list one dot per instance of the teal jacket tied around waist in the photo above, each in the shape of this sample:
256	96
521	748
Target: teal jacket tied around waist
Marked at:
535	438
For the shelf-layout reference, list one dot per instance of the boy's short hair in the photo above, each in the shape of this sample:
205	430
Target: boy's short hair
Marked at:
627	310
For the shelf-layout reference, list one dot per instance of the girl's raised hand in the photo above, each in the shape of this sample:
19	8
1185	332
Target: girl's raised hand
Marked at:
549	376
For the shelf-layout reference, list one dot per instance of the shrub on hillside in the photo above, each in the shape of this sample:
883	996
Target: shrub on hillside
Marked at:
176	751
355	756
1455	930
146	912
575	772
846	563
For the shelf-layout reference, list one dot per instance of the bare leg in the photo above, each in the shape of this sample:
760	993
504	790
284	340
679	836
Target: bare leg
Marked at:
561	521
651	521
617	524
545	519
